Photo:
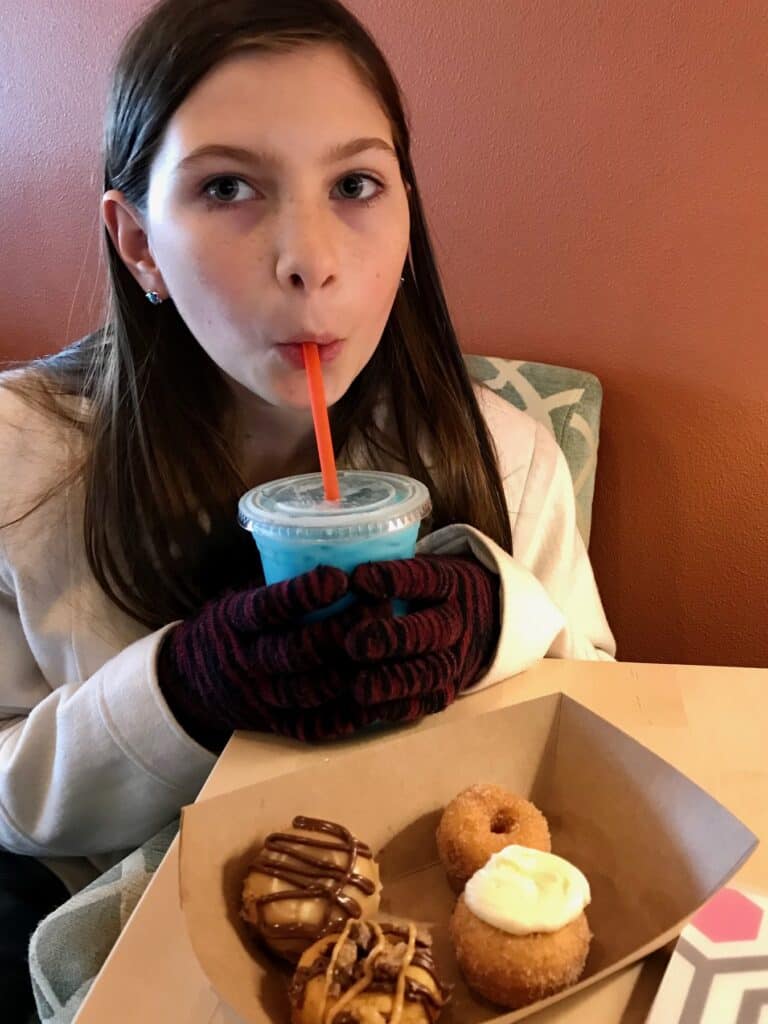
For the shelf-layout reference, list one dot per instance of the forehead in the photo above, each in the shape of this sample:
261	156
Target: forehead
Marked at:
298	103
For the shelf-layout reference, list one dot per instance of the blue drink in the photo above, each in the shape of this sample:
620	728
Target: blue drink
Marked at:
376	518
281	562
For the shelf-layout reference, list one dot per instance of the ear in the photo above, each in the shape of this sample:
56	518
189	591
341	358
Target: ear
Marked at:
126	229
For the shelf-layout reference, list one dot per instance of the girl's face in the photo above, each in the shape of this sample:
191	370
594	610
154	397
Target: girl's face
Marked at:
276	209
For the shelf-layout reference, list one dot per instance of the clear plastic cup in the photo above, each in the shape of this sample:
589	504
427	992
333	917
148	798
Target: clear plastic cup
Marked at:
377	518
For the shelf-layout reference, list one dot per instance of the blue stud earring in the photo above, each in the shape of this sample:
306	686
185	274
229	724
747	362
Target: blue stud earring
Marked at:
153	297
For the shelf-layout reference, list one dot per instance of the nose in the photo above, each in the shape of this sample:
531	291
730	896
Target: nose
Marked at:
307	250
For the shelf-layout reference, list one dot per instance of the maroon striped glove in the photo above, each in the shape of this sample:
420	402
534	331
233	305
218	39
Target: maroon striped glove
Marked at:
249	661
417	663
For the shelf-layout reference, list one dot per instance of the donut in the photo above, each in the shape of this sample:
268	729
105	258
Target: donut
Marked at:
370	972
516	970
479	822
306	882
512	947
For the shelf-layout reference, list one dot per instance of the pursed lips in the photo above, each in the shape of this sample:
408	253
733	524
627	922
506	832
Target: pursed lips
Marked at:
291	350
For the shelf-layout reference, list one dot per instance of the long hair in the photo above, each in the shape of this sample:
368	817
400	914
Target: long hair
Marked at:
160	483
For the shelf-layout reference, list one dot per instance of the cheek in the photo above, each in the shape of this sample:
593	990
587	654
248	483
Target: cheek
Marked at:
211	277
202	279
189	250
381	272
378	292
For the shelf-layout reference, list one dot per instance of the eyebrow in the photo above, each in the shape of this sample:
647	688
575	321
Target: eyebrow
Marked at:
266	158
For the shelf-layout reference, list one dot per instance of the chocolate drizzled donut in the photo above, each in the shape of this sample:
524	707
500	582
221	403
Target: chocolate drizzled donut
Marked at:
307	882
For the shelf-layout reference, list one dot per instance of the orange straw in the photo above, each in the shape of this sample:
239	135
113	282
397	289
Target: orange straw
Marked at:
320	419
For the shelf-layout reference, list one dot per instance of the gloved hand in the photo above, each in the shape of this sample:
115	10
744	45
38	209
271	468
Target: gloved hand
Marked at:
249	661
415	664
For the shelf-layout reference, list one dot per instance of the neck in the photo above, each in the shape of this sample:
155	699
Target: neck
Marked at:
272	441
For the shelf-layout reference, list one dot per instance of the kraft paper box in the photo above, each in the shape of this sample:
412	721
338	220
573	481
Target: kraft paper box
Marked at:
653	845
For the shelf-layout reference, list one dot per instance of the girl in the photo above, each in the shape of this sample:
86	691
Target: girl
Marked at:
259	190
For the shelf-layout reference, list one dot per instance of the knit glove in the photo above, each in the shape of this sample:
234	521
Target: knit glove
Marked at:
415	664
249	661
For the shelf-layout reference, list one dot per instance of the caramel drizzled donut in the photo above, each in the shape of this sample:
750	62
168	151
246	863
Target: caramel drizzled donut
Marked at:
369	972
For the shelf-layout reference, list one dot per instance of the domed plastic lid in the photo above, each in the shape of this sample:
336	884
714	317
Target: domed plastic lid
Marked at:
371	503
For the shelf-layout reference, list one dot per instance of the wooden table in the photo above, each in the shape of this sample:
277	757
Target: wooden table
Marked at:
711	723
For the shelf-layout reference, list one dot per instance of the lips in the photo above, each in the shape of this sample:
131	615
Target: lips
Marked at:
291	350
318	339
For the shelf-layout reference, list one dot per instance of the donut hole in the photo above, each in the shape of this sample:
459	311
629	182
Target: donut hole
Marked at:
503	821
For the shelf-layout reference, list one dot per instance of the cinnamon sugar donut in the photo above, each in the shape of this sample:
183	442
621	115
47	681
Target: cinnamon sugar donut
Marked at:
519	930
516	970
479	822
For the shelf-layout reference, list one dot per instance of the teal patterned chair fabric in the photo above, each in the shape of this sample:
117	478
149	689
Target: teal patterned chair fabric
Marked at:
567	402
70	945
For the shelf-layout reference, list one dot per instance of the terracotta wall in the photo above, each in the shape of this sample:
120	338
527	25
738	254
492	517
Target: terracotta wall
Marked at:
595	175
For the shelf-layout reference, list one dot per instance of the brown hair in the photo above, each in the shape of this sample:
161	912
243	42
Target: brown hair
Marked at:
156	449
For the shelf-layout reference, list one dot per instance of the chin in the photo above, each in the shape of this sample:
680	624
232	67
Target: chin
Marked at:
335	394
287	389
286	397
336	385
